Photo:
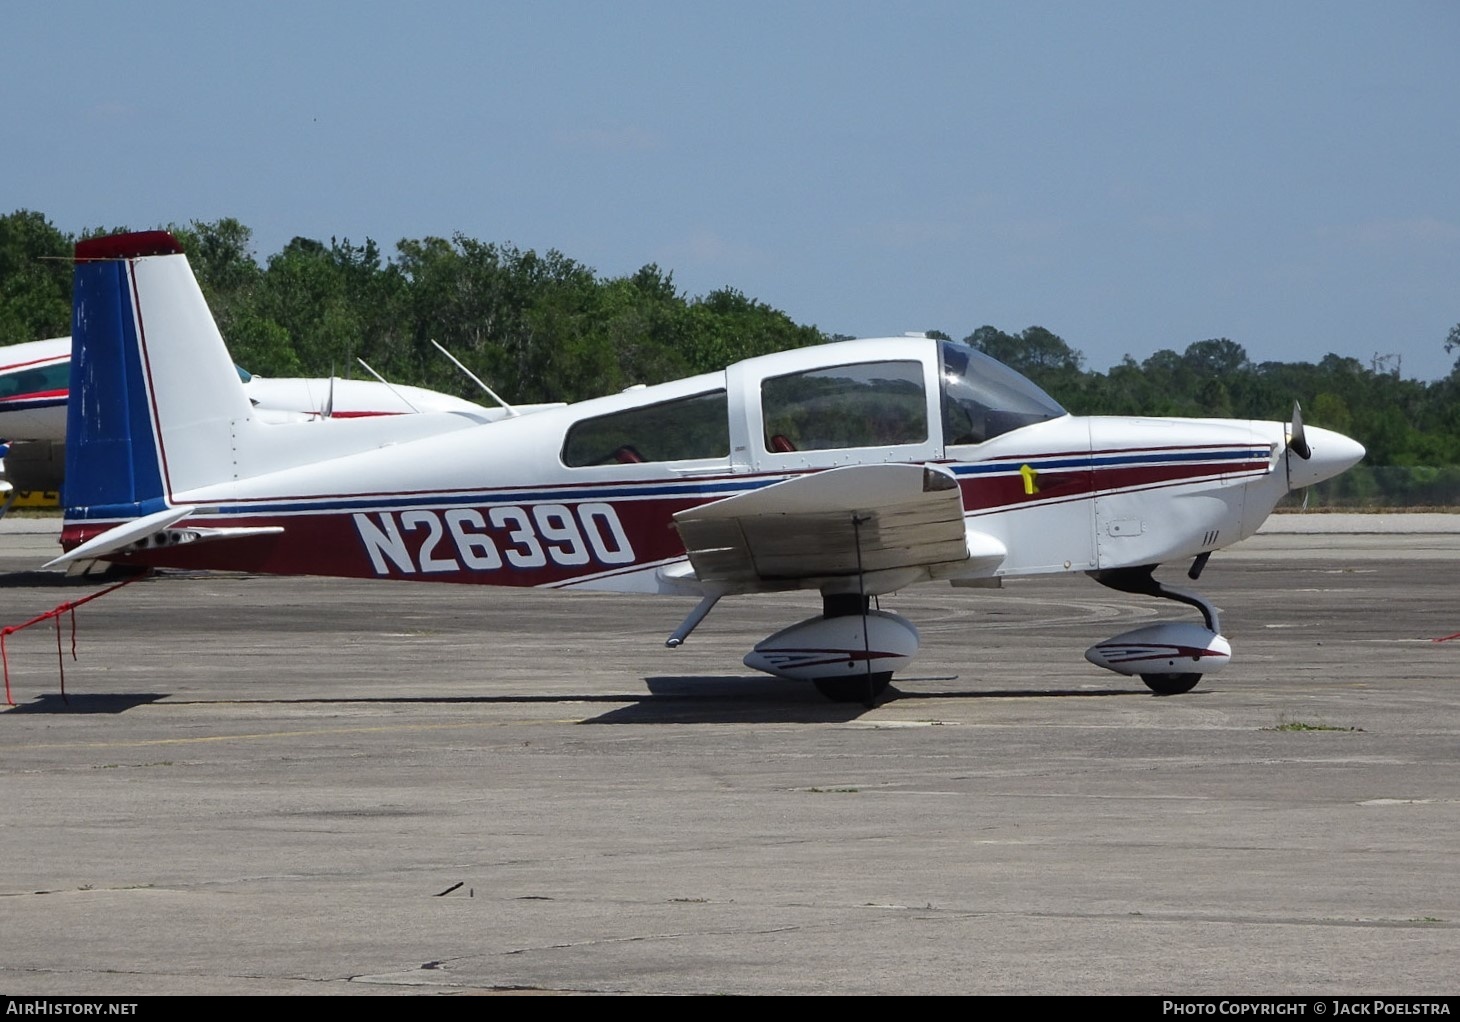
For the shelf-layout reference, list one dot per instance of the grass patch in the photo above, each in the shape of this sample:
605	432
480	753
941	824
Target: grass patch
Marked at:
1303	725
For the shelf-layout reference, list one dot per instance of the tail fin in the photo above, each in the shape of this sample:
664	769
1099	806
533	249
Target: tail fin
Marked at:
145	350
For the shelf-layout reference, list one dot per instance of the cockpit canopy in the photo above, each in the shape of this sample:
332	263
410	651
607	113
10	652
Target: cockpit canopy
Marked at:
810	411
983	398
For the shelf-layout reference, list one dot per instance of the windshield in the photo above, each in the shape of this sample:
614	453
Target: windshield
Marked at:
983	398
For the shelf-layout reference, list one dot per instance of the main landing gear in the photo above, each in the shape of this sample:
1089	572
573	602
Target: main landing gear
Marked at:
865	686
849	653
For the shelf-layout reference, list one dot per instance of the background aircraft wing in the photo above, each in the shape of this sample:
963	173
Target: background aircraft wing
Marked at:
840	522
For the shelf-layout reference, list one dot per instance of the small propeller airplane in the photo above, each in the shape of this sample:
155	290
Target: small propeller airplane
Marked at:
854	468
35	376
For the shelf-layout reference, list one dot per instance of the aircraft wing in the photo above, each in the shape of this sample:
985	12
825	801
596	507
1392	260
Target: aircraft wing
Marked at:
842	522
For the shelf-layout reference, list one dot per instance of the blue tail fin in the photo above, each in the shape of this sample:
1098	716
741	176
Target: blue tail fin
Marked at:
112	461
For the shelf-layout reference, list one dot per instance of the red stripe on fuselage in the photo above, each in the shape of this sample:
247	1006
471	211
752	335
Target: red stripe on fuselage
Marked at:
983	494
428	549
49	360
33	395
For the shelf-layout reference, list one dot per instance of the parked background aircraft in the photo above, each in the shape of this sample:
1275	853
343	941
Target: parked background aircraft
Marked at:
35	383
854	469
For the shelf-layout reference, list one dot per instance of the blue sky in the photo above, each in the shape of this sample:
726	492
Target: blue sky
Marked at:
1131	175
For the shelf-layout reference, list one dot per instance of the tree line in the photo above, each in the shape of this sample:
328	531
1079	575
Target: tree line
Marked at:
544	327
536	327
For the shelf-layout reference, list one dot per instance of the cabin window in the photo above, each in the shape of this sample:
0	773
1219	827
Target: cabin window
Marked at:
871	404
688	429
39	380
983	398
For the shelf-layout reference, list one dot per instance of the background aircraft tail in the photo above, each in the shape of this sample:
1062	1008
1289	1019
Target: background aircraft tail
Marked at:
145	352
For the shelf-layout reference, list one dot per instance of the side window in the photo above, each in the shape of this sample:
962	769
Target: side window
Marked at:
36	381
56	377
872	404
682	430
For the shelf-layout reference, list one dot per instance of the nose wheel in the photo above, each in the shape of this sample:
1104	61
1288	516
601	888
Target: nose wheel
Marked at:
1167	644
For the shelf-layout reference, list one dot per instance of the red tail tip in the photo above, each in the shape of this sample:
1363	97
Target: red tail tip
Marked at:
127	246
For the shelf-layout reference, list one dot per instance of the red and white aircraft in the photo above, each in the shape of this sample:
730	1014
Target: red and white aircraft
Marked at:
35	379
855	468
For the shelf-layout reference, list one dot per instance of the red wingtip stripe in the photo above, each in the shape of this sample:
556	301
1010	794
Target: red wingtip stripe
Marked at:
127	246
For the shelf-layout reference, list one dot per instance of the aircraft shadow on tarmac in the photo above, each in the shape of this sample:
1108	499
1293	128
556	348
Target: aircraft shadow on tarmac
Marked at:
108	702
732	698
687	700
37	578
48	580
680	699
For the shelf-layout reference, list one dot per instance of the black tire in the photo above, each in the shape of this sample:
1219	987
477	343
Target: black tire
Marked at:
1170	684
858	688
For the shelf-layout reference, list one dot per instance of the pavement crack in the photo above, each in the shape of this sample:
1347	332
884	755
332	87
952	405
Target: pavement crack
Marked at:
642	937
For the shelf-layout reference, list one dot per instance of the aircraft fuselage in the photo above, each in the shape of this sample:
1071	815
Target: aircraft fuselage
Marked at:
1064	493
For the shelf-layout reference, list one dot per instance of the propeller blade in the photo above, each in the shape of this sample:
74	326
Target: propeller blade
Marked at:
1297	442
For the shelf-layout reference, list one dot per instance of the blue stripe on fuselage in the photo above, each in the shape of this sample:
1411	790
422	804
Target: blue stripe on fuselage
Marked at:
458	498
1113	460
23	403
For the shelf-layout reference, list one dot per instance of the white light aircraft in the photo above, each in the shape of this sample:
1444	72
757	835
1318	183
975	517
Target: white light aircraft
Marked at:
855	469
35	378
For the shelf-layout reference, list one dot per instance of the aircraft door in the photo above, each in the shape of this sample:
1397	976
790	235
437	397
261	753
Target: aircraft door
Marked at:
800	414
1024	464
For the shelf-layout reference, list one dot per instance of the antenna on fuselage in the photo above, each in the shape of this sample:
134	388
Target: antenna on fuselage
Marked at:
383	380
454	361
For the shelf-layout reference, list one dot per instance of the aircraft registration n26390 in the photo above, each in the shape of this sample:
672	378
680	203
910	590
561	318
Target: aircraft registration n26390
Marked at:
854	468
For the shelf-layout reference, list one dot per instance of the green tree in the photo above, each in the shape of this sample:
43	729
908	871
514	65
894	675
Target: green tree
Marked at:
35	278
221	255
1217	357
725	326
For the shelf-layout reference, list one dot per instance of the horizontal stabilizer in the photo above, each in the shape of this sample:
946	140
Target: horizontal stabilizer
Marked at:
156	530
123	535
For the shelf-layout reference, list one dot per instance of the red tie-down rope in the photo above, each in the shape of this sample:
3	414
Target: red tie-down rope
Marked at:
54	613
